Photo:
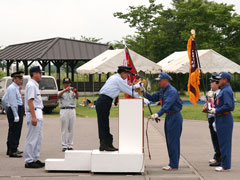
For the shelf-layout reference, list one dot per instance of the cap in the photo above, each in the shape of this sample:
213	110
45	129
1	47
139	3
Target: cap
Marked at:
225	75
18	74
163	76
36	69
66	80
125	68
214	77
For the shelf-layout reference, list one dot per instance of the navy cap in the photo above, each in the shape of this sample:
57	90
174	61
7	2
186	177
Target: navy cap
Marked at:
225	75
18	74
66	80
125	68
214	77
163	76
36	69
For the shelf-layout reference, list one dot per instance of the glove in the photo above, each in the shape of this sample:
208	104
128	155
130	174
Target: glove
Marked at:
212	111
74	90
154	116
16	119
138	85
214	126
146	101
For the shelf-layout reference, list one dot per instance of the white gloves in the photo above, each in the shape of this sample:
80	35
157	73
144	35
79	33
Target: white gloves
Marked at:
16	119
146	101
212	111
138	85
154	116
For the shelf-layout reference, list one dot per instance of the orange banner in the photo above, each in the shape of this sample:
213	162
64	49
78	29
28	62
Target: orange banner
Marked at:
194	72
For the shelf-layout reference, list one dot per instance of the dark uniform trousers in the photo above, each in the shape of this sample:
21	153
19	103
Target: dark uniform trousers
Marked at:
103	106
15	128
214	137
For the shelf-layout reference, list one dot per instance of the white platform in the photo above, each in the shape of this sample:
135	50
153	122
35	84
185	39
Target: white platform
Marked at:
129	158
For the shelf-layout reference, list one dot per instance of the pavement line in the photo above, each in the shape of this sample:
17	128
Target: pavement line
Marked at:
183	158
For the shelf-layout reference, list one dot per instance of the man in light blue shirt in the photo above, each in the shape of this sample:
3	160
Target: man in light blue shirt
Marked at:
14	106
111	89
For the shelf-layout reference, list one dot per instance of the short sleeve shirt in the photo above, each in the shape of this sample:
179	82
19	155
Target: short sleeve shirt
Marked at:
68	99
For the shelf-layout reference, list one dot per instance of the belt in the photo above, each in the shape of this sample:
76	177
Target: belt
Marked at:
170	113
67	108
222	114
108	97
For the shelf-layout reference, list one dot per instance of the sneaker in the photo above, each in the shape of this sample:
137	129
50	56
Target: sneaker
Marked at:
70	148
64	149
167	168
32	165
215	164
212	161
42	164
221	169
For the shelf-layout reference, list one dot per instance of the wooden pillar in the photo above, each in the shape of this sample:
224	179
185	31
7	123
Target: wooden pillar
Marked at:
43	64
58	65
67	69
17	65
99	80
49	68
73	65
25	63
9	63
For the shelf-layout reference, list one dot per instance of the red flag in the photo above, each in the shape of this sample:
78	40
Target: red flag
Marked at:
128	62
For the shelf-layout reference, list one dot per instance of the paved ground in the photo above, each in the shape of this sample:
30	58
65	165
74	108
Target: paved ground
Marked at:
196	150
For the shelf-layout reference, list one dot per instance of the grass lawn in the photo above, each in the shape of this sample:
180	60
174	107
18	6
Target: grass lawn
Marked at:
188	111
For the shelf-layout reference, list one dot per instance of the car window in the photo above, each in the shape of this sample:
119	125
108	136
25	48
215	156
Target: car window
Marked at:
9	81
47	84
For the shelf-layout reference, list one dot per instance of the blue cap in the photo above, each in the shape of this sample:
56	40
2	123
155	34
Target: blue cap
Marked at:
163	76
125	68
35	69
225	75
18	74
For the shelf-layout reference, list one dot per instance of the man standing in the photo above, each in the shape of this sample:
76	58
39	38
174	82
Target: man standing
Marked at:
111	89
13	101
67	113
34	117
216	161
224	120
171	105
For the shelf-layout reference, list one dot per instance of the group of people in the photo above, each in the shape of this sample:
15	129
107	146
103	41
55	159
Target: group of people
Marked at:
219	115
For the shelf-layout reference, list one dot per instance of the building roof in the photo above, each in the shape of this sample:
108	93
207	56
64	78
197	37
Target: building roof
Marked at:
210	61
53	49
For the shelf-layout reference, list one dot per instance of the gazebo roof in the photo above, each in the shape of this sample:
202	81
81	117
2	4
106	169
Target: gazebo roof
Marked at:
53	49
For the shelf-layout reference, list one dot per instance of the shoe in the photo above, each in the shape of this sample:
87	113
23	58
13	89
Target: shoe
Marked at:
15	155
64	149
8	152
104	146
221	169
19	152
32	165
110	144
215	164
70	149
40	163
212	161
167	168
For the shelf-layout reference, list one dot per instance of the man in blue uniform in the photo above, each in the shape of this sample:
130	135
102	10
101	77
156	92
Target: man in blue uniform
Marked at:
171	105
15	113
111	89
224	120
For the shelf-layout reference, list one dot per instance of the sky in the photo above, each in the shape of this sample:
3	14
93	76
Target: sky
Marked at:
29	20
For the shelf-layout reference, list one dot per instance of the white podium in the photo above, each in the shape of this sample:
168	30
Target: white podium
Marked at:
129	158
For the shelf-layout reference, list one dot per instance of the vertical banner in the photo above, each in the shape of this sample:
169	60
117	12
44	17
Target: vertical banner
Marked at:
194	71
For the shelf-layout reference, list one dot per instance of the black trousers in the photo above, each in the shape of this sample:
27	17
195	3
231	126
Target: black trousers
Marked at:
103	106
15	128
214	138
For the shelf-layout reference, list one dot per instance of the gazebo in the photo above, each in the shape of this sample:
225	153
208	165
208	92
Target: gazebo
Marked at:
55	50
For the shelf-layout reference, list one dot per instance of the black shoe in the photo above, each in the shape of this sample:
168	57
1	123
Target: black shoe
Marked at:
104	146
64	149
15	155
215	164
8	152
40	163
70	149
19	152
110	144
32	165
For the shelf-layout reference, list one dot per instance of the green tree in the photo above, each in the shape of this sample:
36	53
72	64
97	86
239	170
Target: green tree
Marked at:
161	31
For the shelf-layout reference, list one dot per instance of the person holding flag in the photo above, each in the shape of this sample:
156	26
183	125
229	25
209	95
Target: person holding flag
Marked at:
171	106
113	86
